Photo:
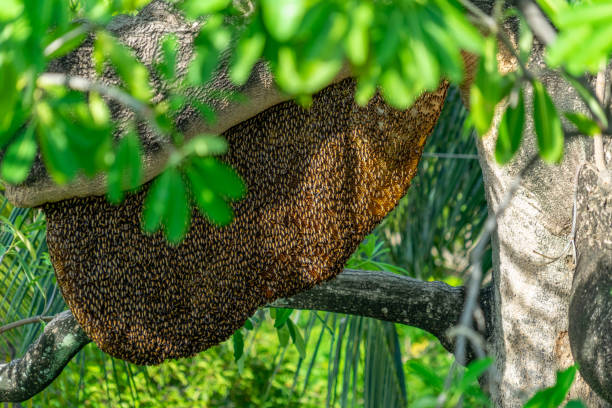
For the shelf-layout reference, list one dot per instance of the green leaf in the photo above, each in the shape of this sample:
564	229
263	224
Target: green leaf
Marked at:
248	50
10	9
426	374
298	339
169	48
220	177
177	216
547	125
553	7
283	336
238	341
54	144
205	145
466	34
166	204
155	203
473	371
197	8
587	13
585	125
68	45
357	42
525	40
575	404
282	18
593	104
282	315
510	131
8	90
19	157
395	90
553	397
125	173
567	45
248	324
488	89
133	73
99	110
209	202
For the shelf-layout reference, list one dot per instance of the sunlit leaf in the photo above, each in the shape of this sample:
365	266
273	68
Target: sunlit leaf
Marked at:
586	13
205	145
198	8
510	131
553	7
547	125
70	43
357	41
133	73
208	200
395	89
98	109
248	50
10	9
282	18
155	203
19	157
585	125
220	177
488	89
169	48
125	173
54	145
8	90
178	211
553	397
473	371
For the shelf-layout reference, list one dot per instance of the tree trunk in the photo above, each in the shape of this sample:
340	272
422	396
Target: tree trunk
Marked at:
532	265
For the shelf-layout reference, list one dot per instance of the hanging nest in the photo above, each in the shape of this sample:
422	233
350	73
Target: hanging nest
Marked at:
319	180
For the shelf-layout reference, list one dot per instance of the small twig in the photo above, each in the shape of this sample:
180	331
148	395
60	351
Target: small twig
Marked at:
475	338
23	322
69	36
486	20
86	85
537	22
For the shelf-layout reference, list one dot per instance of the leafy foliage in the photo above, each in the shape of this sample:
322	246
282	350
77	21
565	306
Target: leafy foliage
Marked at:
553	396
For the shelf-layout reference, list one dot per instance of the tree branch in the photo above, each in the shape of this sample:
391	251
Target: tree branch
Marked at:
45	359
432	306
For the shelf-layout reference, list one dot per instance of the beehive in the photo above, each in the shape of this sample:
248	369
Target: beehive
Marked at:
318	181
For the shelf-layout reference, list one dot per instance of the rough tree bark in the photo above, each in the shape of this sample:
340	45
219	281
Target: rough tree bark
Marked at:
530	339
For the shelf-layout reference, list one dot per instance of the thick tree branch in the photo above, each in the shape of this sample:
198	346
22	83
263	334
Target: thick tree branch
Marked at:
45	359
432	306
